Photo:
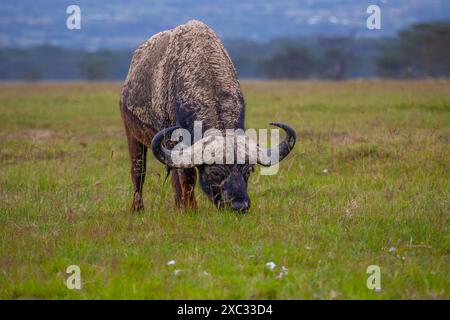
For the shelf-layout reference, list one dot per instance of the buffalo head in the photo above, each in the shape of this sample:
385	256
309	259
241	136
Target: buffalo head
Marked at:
225	184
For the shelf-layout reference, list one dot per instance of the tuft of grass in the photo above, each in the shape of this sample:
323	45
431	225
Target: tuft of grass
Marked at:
368	174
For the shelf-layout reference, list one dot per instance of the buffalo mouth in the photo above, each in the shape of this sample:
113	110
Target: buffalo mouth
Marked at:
240	205
237	205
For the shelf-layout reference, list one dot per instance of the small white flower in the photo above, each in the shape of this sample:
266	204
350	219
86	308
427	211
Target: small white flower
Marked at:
270	265
205	273
325	170
177	272
171	263
401	257
308	248
392	249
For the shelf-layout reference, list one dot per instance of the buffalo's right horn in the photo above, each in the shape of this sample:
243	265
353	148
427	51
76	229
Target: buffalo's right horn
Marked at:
283	149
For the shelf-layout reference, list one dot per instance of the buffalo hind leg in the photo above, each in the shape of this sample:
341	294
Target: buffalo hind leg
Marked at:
183	183
138	156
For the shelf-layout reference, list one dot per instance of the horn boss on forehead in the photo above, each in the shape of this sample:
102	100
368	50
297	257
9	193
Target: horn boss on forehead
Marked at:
243	149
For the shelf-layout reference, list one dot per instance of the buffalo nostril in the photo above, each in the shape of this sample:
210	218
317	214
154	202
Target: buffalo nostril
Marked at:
240	205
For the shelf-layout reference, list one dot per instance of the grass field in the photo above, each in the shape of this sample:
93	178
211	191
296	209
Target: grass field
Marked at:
367	184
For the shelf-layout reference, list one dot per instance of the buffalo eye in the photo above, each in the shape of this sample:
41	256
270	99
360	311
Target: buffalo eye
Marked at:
215	175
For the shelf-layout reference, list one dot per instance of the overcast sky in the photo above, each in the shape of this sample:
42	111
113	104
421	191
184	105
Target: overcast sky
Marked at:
107	23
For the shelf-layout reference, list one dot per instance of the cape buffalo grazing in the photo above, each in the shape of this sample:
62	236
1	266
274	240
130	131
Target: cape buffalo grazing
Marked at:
175	78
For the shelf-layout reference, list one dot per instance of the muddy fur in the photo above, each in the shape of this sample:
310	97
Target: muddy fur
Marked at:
182	75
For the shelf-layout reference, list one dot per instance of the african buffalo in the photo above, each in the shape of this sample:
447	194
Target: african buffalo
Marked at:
175	78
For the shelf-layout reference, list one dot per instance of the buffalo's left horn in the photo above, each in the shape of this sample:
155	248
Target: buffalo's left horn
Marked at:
283	148
163	154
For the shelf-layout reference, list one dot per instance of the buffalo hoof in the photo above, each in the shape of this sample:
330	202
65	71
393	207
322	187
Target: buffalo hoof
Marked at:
138	203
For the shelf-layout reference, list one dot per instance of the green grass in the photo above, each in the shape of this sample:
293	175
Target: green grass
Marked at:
65	195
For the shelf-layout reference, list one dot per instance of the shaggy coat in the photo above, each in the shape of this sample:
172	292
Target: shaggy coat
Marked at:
183	75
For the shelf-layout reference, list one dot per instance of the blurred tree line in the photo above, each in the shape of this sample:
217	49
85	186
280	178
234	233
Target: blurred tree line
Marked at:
48	62
422	50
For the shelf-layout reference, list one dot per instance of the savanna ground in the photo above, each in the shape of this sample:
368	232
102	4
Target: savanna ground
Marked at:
367	184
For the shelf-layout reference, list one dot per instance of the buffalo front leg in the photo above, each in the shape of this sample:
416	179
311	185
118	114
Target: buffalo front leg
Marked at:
138	156
183	183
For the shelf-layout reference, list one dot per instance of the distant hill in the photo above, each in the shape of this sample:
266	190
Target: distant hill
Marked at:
124	24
